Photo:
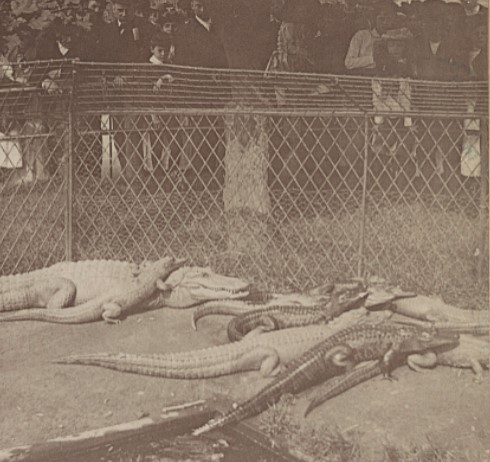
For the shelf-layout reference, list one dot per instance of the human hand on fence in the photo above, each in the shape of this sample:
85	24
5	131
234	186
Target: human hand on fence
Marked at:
119	81
164	79
51	87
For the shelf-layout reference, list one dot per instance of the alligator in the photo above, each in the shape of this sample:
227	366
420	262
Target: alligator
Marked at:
282	317
64	284
74	283
323	296
265	352
255	302
472	328
111	305
471	353
435	310
332	356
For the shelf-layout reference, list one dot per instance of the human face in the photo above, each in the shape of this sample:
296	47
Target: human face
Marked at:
158	52
66	40
168	27
396	49
469	4
94	6
121	11
199	10
153	17
381	23
479	37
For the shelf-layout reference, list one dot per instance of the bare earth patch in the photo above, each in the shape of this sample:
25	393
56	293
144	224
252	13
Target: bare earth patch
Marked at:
41	400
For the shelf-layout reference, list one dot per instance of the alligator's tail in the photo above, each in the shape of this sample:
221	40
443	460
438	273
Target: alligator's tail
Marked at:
340	384
221	307
66	316
178	366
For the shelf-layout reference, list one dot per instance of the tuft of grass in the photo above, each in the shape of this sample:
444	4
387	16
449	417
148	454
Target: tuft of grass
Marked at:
324	443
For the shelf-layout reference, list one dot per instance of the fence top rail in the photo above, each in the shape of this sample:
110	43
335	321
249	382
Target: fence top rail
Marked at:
137	87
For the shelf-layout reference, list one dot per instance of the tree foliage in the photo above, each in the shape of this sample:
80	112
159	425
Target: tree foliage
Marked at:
21	21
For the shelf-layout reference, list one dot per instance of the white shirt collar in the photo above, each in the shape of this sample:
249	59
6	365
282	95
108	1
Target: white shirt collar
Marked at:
206	24
63	49
155	60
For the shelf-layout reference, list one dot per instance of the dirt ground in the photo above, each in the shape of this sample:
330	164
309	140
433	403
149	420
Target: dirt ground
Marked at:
41	400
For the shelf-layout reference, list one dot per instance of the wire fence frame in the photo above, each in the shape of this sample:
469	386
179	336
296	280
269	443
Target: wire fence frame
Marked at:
296	121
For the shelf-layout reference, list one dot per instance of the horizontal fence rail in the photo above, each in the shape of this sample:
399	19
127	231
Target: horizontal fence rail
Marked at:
286	179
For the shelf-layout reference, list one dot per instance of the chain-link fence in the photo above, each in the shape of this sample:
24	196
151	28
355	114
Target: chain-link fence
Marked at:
287	179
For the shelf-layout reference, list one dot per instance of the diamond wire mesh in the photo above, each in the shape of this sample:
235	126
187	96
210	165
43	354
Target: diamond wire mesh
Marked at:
151	173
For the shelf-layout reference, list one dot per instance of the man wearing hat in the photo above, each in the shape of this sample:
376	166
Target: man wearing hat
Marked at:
125	39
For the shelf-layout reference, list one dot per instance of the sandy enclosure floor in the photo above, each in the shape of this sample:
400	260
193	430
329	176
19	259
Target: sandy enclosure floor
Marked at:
41	400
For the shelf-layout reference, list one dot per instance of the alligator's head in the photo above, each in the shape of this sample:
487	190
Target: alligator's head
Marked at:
192	285
426	340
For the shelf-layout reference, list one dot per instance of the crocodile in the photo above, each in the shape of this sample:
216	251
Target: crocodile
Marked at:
74	283
471	353
332	356
265	352
282	317
111	305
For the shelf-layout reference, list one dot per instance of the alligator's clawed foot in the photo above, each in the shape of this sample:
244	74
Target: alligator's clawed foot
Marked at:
390	377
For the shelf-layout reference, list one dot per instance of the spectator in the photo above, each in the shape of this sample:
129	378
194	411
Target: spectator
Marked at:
160	136
294	40
61	42
169	24
91	13
360	55
471	7
435	58
126	39
476	56
332	41
153	17
197	44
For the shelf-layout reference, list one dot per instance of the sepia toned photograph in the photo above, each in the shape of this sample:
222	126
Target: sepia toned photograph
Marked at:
244	231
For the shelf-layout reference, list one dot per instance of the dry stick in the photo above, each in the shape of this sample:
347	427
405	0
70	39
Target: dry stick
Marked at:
180	407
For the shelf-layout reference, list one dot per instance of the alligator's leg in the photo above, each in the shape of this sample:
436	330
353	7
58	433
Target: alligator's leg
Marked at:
265	323
387	362
340	356
477	369
422	362
268	358
53	293
63	295
111	312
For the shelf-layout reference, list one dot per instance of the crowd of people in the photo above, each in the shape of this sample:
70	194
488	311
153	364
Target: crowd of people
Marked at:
432	40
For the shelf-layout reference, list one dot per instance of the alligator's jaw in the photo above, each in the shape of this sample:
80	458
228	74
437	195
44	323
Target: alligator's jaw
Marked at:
194	285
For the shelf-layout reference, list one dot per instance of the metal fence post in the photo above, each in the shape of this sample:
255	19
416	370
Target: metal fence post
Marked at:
68	173
362	236
483	200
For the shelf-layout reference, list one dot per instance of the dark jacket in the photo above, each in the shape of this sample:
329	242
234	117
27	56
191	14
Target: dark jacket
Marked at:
445	64
130	46
196	46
